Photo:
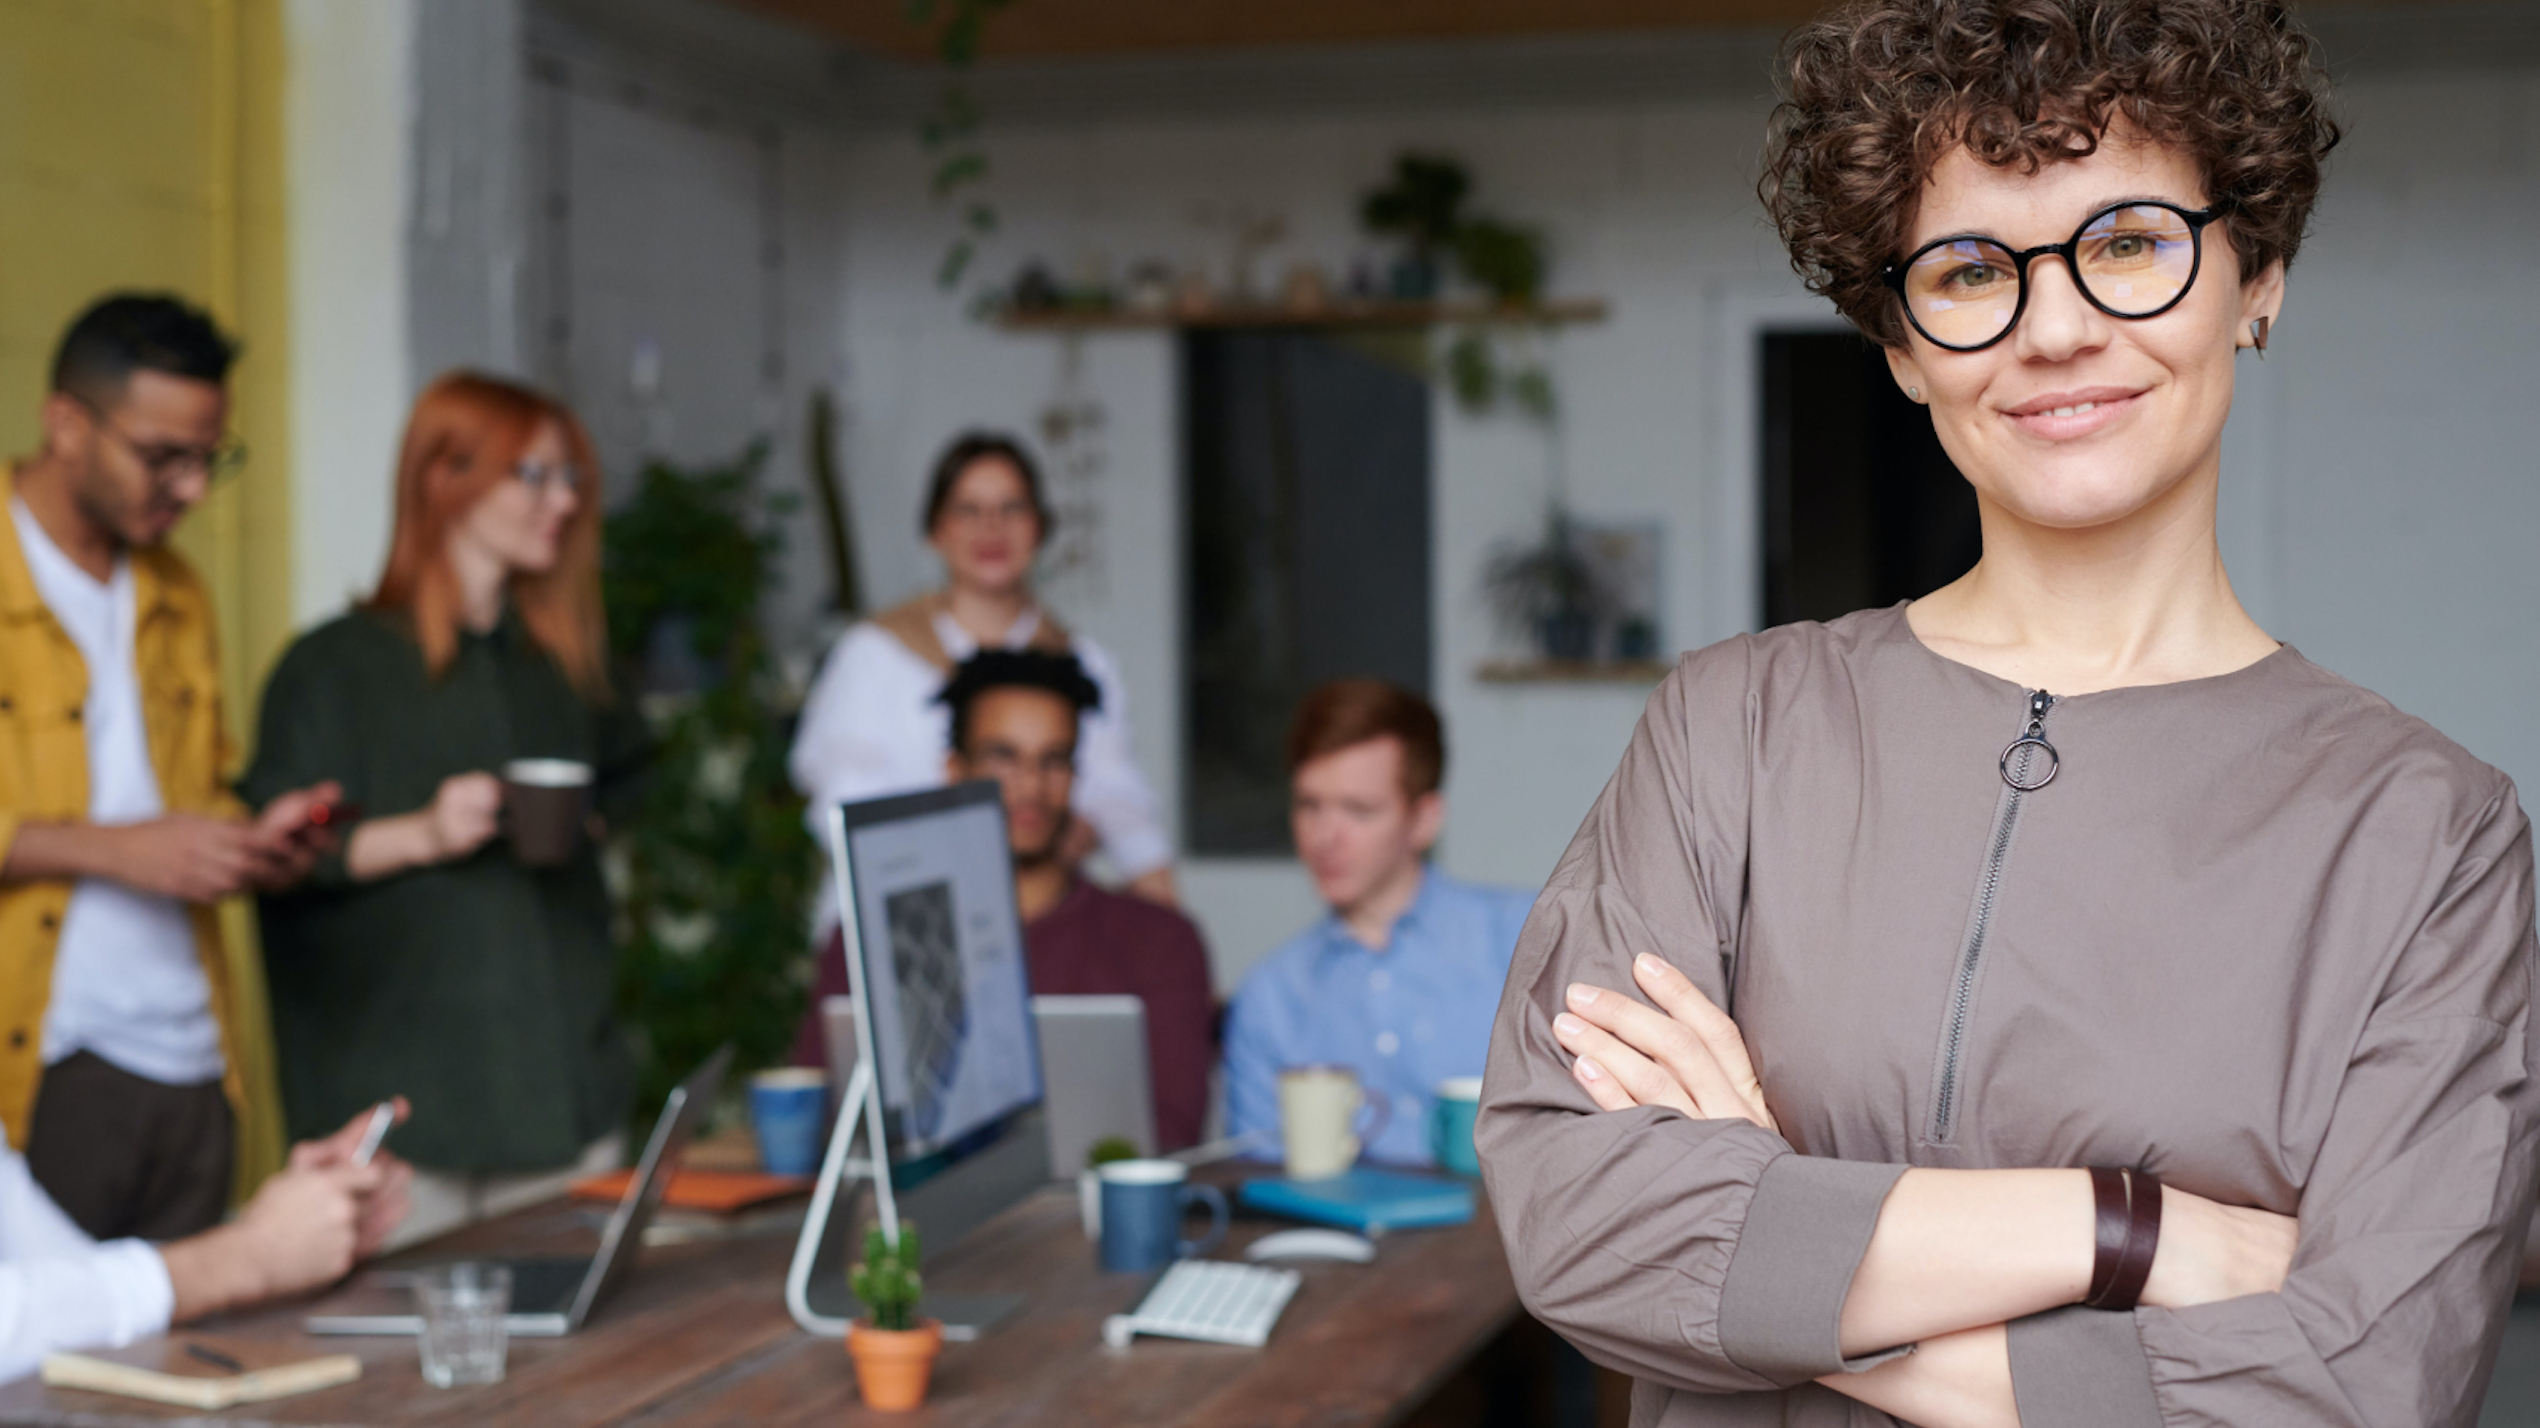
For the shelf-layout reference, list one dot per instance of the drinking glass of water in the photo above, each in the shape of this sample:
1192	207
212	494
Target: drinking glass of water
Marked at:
464	1336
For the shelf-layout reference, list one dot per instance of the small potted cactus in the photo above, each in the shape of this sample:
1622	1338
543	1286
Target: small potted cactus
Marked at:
894	1350
1089	1179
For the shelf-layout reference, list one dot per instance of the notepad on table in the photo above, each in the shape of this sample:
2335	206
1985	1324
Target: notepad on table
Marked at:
1365	1200
163	1371
717	1191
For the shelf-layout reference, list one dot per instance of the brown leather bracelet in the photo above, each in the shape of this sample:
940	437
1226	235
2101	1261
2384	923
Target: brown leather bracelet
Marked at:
2108	1228
2142	1240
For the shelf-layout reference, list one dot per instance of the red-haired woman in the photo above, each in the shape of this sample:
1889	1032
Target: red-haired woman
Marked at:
425	959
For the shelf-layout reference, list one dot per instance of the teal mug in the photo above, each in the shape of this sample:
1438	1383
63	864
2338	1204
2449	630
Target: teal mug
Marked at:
1451	1124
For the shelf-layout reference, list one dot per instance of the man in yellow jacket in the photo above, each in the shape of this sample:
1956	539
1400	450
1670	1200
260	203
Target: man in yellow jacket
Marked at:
117	834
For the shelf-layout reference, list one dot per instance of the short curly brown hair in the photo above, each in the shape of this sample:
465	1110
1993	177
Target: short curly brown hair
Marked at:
1877	92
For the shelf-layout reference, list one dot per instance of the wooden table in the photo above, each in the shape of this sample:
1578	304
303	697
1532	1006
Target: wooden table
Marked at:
699	1336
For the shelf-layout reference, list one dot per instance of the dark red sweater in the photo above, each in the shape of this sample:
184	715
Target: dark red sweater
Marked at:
1101	943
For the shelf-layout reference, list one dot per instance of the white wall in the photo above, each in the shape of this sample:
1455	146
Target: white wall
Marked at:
2382	507
680	288
468	235
347	123
2402	500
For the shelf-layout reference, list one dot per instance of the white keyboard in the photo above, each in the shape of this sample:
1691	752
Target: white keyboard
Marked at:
1210	1300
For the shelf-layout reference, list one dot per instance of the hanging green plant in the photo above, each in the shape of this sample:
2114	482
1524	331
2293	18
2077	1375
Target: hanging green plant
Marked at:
1501	257
950	132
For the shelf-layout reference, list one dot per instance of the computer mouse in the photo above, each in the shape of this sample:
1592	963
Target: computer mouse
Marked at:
1312	1244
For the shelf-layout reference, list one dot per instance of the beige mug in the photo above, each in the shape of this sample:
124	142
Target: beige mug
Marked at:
1319	1110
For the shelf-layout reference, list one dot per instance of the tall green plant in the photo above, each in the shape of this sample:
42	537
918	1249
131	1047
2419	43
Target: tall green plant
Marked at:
713	876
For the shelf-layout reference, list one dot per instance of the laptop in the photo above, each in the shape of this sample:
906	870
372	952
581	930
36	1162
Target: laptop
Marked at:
1094	1076
554	1297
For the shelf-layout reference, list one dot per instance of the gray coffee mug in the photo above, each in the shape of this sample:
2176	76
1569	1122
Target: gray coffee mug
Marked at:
545	803
1142	1204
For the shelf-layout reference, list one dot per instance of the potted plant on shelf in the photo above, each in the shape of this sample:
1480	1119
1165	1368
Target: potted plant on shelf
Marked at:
1549	591
894	1350
1424	207
1421	206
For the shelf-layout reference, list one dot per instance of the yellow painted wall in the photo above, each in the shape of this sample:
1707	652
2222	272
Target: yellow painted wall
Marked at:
141	147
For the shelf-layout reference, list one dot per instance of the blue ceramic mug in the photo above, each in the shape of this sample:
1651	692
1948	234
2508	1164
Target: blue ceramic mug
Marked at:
1142	1204
1451	1125
788	1113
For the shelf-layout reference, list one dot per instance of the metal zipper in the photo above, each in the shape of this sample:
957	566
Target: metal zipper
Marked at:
2018	767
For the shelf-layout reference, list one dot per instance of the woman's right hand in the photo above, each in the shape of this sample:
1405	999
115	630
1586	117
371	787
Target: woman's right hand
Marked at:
2211	1251
1684	1053
464	815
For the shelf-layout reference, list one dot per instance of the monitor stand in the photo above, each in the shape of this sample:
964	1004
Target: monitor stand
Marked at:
948	1206
965	1316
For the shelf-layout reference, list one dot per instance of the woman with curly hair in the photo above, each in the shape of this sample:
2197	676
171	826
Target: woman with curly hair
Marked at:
2050	1001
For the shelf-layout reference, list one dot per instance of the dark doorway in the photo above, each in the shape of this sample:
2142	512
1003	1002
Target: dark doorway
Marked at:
1306	471
1862	508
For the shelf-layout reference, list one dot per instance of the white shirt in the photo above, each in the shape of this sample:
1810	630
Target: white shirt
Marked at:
872	727
128	983
59	1289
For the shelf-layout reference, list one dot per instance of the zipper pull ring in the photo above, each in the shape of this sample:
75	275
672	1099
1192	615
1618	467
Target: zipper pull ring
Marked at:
2027	745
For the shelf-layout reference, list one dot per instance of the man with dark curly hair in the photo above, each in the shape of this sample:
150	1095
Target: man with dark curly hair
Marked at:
1018	717
2050	1001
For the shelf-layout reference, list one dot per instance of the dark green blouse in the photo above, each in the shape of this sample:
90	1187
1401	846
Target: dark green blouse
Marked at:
479	989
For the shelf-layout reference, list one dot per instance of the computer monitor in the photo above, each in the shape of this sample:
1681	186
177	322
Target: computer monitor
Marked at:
1094	1059
941	971
935	956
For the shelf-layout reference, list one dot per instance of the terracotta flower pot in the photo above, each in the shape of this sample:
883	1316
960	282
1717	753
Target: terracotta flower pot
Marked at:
893	1365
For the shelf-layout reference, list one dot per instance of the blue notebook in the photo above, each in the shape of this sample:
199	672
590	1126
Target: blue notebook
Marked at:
1365	1200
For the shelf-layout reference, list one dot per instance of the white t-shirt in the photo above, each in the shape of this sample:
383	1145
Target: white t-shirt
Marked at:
128	984
61	1290
872	727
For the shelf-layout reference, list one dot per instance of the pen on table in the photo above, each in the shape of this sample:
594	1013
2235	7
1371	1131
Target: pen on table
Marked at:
214	1357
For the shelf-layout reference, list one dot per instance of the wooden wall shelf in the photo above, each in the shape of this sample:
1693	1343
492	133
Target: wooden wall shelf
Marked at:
1335	314
1598	671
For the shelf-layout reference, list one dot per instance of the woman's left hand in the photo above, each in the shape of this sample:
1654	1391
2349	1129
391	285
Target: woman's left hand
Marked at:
1685	1053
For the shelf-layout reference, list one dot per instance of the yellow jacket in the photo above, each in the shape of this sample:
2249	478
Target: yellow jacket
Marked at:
44	778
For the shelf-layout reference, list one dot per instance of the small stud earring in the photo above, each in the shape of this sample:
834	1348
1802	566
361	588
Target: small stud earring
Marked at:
2258	335
1913	394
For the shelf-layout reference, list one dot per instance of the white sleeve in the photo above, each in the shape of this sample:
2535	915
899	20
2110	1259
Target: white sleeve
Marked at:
61	1290
868	728
1110	792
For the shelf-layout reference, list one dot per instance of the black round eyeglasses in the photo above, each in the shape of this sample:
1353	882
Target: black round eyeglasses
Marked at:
2131	260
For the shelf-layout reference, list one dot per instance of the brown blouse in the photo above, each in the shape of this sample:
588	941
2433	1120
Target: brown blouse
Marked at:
2262	934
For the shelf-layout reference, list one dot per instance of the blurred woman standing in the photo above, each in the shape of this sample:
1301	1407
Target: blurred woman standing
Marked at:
872	725
428	957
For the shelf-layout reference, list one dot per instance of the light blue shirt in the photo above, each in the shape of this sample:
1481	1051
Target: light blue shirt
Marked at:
1405	1017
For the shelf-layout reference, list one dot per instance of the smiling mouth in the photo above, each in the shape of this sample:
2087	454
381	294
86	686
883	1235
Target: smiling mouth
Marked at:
2065	416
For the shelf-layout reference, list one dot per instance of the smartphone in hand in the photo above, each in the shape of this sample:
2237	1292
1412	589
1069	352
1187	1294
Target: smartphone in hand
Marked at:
382	1116
337	816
